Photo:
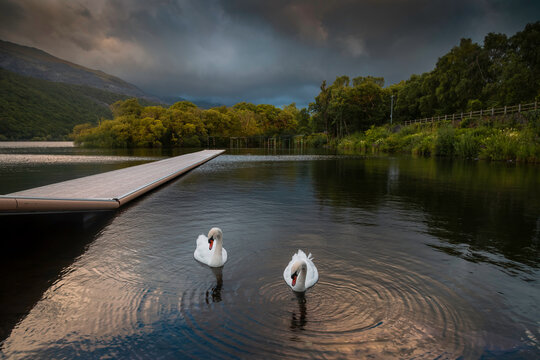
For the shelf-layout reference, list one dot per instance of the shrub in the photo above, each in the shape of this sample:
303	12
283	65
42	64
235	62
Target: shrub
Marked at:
501	145
494	141
390	144
426	146
376	133
409	142
467	145
474	105
317	140
444	143
191	141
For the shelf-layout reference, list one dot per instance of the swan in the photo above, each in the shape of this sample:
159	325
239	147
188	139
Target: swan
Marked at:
301	273
210	249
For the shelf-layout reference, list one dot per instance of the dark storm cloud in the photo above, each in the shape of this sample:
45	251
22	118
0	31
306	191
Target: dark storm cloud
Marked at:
260	51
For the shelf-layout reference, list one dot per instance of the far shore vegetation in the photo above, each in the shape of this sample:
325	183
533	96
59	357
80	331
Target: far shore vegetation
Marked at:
353	114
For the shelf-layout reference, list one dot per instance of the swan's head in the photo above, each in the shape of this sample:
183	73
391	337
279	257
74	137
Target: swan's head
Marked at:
296	269
214	234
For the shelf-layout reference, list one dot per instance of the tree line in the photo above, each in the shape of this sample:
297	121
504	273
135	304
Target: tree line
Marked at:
184	124
502	71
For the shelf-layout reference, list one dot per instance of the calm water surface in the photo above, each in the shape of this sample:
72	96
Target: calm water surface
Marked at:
418	258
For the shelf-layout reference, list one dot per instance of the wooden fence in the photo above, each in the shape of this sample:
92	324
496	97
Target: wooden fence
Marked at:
521	108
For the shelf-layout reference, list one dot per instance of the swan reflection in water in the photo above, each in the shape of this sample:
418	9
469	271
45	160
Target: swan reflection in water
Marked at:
213	295
298	317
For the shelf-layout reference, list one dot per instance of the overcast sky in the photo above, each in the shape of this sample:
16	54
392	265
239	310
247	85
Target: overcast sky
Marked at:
274	52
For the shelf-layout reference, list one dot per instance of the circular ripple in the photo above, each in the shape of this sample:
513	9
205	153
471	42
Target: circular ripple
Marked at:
384	305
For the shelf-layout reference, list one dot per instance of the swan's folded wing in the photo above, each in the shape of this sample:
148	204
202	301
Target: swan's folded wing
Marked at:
312	275
202	240
202	244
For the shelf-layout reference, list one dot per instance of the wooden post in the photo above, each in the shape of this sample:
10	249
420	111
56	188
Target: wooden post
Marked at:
492	111
504	109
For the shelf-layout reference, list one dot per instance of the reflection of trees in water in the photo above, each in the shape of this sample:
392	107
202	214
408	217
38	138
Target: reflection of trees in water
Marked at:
299	316
350	182
214	293
490	207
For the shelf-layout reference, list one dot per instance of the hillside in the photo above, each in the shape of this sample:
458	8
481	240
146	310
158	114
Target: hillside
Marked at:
39	109
203	104
36	63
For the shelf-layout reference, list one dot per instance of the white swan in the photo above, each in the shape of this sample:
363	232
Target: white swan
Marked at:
207	252
301	273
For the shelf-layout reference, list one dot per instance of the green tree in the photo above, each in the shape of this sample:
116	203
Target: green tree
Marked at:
319	109
126	107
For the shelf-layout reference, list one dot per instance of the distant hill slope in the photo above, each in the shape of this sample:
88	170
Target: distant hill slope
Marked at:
36	63
39	109
203	104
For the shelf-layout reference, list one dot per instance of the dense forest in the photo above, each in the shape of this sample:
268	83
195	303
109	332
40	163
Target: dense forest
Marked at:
504	71
184	124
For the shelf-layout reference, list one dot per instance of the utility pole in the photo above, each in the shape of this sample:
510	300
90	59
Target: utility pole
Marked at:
391	108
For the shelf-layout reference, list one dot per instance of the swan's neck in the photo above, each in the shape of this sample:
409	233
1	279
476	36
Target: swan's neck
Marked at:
301	280
217	257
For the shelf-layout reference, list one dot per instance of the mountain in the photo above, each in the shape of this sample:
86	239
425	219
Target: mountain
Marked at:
203	104
35	109
38	64
44	97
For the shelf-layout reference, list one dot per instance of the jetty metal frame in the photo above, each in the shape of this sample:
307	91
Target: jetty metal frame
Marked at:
105	191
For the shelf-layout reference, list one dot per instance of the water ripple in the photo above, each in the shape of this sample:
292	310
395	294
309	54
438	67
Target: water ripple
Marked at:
366	308
138	292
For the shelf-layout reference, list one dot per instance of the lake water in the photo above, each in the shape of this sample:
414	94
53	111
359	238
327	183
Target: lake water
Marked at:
417	258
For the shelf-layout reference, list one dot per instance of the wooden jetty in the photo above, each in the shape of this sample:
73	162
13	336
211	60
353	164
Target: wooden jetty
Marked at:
104	191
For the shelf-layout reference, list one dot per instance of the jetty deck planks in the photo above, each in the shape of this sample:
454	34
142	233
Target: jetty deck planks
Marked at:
104	191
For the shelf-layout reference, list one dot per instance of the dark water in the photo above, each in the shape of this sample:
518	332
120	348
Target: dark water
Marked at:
418	258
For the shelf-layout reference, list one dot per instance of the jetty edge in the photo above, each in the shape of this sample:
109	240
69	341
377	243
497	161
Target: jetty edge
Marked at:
105	191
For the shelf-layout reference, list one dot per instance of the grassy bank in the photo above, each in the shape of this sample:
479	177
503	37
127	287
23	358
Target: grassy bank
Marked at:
516	139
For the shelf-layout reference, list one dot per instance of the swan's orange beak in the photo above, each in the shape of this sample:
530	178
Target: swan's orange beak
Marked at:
293	279
211	242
